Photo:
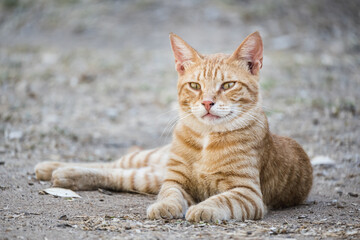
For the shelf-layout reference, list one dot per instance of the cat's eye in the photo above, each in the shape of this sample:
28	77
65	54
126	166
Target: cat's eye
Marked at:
227	85
195	86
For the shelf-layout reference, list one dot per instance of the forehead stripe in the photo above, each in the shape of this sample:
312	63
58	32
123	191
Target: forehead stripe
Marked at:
198	76
215	72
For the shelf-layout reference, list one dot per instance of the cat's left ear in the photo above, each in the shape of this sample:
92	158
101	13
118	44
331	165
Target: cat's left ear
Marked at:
184	54
250	50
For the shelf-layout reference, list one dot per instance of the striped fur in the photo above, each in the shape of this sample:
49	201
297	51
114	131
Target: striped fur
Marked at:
139	171
223	162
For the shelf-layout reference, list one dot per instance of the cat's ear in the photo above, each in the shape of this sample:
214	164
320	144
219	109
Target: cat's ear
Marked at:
250	50
184	54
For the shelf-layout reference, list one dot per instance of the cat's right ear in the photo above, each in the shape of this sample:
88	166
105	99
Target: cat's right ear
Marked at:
184	54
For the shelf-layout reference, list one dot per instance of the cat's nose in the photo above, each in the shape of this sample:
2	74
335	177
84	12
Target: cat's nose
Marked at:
208	104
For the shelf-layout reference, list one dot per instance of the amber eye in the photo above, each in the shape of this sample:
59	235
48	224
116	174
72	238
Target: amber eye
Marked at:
227	85
195	86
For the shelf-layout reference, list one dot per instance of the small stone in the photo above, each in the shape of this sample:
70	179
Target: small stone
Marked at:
87	78
351	194
103	191
315	121
112	113
49	58
63	217
273	231
302	217
338	191
14	135
127	227
323	161
334	202
340	205
64	225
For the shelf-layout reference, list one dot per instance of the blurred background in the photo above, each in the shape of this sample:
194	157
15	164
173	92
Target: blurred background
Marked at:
86	79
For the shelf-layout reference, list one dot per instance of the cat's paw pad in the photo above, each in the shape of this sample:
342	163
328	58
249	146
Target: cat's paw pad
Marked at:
44	170
205	213
75	178
165	209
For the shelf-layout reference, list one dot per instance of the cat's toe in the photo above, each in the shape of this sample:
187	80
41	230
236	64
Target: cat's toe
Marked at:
44	170
199	213
164	209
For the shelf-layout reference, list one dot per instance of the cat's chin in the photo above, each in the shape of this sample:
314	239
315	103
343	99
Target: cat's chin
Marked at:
211	119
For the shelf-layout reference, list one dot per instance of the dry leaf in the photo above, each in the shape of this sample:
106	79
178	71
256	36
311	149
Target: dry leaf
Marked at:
61	192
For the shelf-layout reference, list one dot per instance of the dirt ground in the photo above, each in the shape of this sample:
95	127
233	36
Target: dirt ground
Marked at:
86	80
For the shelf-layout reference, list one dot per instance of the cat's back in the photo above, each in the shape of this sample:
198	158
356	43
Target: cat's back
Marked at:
286	174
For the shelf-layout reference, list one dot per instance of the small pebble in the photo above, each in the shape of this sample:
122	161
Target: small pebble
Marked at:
340	205
273	231
323	161
63	217
351	194
338	191
103	191
15	135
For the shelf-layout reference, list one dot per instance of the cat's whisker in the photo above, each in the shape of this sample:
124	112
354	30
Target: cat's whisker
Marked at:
167	112
169	125
248	114
172	124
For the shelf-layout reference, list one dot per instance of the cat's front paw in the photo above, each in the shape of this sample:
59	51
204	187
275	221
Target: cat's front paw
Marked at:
44	170
205	213
165	209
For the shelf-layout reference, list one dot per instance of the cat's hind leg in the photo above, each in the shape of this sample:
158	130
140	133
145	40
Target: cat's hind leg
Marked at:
44	170
144	158
143	180
137	159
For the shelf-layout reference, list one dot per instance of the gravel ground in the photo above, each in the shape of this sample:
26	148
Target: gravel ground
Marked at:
86	80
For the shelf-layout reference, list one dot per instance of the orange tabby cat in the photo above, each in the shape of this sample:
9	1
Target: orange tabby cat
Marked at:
223	162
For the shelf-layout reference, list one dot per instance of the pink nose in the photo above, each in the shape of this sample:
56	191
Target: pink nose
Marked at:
208	104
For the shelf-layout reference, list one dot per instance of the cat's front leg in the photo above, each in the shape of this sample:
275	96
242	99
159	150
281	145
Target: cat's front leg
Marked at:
239	203
172	203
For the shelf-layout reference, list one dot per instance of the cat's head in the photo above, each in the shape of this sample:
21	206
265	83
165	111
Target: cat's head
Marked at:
219	89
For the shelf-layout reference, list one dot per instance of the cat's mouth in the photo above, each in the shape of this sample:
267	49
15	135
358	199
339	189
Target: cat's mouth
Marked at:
210	116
